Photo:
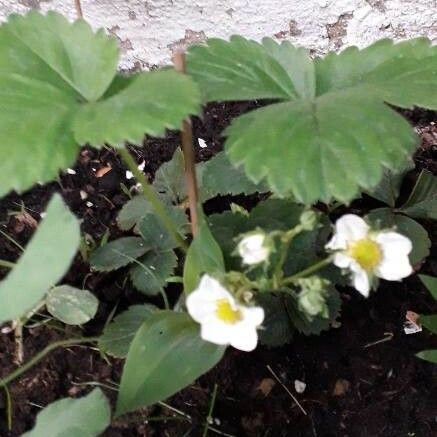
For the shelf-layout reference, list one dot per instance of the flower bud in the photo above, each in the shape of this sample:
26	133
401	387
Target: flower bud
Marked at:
312	298
254	248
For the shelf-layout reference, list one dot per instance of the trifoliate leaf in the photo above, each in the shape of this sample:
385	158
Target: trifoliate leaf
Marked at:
304	146
118	335
118	253
422	202
156	235
60	88
170	178
218	176
278	327
388	189
132	212
71	305
150	273
386	218
238	70
150	103
333	134
88	416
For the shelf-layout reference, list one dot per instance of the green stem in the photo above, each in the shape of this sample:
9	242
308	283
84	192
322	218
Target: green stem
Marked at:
152	197
211	409
7	264
307	271
40	355
286	241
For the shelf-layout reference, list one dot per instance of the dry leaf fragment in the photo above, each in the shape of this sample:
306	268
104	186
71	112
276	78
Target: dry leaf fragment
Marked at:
103	170
266	386
411	324
342	386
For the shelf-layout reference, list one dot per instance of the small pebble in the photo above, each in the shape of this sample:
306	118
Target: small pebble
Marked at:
202	143
71	171
299	386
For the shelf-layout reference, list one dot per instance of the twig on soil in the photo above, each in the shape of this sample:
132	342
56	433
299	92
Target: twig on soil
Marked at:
12	240
187	148
286	389
388	336
18	337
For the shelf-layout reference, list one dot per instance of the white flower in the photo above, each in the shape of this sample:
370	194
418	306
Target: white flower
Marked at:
223	320
368	253
253	248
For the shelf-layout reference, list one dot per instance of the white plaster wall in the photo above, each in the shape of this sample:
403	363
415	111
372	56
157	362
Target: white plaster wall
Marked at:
149	31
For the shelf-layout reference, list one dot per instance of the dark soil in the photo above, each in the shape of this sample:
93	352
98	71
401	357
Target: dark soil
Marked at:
362	377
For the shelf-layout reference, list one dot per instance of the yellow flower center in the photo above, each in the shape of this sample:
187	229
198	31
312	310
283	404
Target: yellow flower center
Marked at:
226	313
366	253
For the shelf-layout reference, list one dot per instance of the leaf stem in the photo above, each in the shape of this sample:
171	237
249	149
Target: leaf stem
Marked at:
152	197
211	409
40	355
311	269
187	148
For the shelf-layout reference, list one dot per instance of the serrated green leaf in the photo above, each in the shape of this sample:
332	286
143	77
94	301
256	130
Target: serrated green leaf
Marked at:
166	355
422	202
203	256
386	218
88	416
170	178
430	283
150	103
301	145
118	253
49	68
402	74
71	305
428	355
132	212
270	141
238	70
155	235
44	262
218	176
387	190
430	322
150	273
118	335
278	328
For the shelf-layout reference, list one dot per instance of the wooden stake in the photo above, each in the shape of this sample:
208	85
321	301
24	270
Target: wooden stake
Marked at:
188	151
78	8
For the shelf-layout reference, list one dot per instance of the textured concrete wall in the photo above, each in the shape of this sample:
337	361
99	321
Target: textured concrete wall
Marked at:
149	31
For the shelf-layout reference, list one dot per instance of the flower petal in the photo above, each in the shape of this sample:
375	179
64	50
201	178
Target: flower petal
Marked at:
394	243
202	302
216	332
394	268
360	280
342	260
252	315
351	227
245	338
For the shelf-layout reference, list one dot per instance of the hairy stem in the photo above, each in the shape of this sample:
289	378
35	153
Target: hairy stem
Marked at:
152	197
40	355
308	271
18	338
187	148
